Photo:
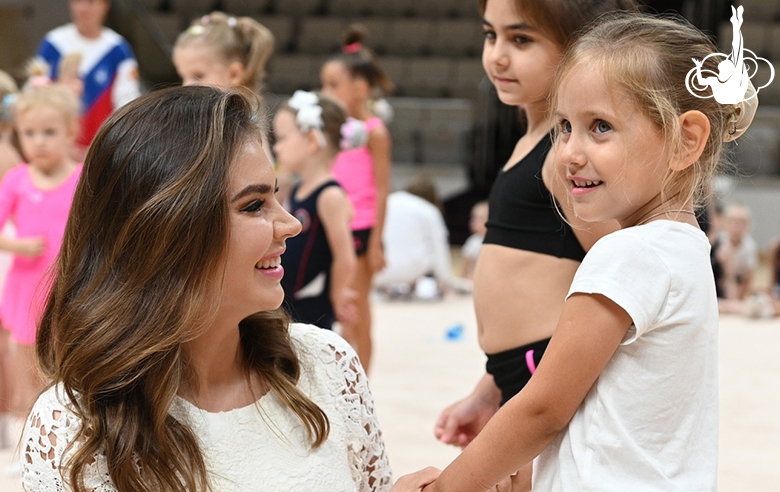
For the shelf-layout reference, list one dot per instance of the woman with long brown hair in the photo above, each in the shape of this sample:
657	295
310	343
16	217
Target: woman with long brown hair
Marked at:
172	367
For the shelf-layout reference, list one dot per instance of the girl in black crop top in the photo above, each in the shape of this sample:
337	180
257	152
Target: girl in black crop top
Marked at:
520	62
522	214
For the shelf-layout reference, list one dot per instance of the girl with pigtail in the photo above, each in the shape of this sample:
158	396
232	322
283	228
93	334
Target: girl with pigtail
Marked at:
320	262
355	78
226	52
223	51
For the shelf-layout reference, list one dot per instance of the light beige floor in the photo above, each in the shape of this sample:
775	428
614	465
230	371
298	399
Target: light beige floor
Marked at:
418	372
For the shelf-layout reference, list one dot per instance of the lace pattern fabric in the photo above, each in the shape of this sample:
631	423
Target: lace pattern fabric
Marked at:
262	443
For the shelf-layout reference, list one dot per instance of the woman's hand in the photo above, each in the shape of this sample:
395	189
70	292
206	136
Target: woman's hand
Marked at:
414	482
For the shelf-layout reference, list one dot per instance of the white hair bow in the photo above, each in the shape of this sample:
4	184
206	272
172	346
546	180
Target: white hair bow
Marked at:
309	112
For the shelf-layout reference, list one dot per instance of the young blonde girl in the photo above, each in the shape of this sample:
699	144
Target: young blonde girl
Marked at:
36	196
356	79
320	262
626	396
223	51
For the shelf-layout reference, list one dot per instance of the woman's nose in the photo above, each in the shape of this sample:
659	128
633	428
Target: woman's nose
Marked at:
286	226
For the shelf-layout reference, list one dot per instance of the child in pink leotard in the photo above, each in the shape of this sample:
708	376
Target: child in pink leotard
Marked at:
355	78
37	197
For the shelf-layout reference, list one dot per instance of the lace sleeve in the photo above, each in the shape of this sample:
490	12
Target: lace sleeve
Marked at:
366	445
50	427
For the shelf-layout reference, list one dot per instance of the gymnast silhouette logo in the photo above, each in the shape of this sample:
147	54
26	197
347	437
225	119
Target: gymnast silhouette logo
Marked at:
731	83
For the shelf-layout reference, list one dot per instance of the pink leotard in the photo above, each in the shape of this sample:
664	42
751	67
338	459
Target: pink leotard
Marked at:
354	171
35	213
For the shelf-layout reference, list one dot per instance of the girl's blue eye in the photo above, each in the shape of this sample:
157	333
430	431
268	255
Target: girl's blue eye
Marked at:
254	206
602	127
565	126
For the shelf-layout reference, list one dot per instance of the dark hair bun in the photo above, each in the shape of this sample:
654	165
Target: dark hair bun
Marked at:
355	33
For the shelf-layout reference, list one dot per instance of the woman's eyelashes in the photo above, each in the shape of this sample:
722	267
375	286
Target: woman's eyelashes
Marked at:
253	206
258	203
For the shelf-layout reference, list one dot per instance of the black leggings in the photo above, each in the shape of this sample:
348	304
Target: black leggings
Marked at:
512	369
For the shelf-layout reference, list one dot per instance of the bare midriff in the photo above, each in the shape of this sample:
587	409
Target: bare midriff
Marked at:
518	296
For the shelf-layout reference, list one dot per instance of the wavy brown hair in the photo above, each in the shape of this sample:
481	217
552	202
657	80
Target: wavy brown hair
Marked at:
147	232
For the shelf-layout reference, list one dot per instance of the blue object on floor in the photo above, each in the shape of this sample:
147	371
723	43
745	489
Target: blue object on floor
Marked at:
454	333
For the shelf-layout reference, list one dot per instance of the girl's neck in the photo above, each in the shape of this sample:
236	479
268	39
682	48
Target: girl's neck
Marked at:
674	210
315	172
47	178
536	118
360	111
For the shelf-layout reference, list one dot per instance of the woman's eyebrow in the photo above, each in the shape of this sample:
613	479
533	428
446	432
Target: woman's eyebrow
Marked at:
253	188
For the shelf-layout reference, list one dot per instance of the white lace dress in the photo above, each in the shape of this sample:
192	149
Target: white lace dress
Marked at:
258	447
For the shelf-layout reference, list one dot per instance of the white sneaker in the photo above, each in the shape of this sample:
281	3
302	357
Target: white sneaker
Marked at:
759	306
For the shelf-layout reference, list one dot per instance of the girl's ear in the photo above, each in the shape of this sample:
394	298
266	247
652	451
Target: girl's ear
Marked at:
236	72
312	141
695	128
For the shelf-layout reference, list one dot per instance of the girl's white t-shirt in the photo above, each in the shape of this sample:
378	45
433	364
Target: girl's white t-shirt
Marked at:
650	421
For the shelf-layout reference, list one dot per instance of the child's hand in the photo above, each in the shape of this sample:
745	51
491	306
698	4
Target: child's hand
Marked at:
375	256
30	247
344	306
414	482
460	423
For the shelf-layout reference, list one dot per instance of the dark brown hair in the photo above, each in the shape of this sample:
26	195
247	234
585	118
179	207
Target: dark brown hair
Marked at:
146	237
559	20
361	62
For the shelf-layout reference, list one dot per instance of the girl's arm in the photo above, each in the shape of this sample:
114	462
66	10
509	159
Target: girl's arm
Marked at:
589	331
28	246
335	211
380	148
587	232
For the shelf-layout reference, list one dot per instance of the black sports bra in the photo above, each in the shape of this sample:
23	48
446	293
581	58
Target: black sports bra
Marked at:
522	212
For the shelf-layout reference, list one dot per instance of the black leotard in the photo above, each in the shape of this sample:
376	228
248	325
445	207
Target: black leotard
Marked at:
307	261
